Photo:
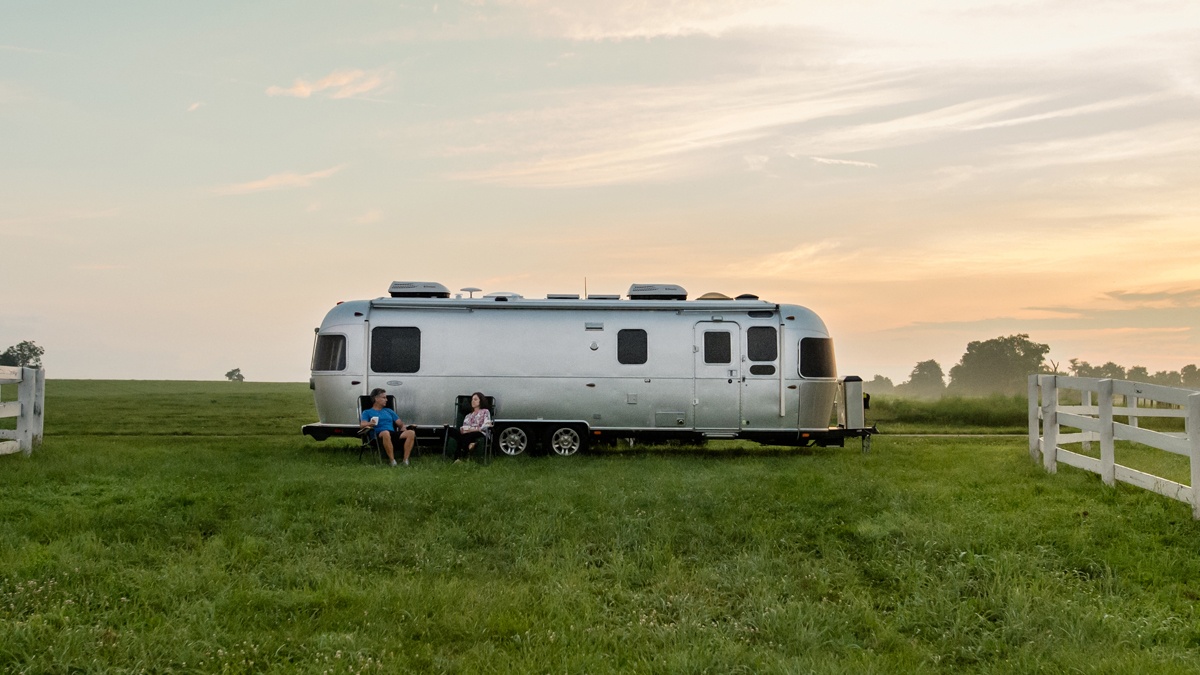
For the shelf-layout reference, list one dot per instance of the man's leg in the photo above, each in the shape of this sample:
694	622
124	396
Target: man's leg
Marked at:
410	437
386	439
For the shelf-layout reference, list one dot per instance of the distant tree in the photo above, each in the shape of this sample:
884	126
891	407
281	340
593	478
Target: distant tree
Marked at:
1138	374
1167	378
1110	371
1190	376
1000	365
24	353
235	375
879	385
927	380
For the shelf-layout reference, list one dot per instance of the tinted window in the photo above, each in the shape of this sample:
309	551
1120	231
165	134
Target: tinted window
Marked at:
330	353
396	350
716	347
631	345
761	344
816	358
762	370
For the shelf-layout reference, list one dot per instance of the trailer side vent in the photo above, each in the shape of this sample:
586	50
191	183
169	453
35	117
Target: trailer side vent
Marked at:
603	297
562	296
657	292
418	289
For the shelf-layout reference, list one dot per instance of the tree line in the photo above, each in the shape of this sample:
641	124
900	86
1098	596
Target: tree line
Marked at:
1003	365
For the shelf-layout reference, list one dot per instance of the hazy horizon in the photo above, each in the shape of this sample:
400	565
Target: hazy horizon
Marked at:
188	189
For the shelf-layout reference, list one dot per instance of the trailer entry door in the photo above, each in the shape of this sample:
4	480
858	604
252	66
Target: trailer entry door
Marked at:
718	375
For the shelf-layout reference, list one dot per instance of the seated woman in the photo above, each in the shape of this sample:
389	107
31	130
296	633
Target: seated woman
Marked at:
386	424
475	425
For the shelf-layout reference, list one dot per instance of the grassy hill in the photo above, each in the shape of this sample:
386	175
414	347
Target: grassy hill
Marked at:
188	527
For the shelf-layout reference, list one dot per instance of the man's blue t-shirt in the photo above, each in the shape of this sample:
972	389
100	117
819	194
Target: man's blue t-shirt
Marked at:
387	419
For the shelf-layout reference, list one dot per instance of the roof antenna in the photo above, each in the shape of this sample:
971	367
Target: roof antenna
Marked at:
585	287
472	290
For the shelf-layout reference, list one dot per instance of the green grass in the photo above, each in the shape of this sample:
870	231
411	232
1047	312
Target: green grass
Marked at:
211	537
995	414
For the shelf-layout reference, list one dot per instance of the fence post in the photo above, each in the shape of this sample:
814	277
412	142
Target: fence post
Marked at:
1086	399
1049	385
26	394
1193	433
1033	417
39	407
1108	458
1133	420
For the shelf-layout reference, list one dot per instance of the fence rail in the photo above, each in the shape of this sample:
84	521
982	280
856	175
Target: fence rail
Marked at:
28	409
1095	423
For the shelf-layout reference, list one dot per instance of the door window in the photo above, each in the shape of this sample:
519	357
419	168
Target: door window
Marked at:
717	347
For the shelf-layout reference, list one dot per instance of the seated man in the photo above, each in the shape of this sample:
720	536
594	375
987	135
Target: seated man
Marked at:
385	425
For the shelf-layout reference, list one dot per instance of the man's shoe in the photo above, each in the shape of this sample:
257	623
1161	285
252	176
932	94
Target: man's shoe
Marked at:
393	463
406	462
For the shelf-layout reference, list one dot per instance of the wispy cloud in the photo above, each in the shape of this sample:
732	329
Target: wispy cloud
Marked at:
337	85
1147	140
1075	111
613	135
23	50
372	216
280	181
1167	298
844	162
195	106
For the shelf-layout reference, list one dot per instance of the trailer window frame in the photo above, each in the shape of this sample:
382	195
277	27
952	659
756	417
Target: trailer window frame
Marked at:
817	358
633	346
322	357
402	355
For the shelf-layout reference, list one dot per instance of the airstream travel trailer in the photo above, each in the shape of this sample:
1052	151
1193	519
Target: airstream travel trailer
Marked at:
568	370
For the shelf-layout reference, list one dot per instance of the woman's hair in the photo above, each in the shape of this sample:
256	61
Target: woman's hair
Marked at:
482	399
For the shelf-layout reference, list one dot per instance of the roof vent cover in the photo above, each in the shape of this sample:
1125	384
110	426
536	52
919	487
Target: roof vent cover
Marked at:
418	289
657	292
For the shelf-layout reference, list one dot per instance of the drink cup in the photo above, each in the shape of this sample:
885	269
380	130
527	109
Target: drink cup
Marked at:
374	420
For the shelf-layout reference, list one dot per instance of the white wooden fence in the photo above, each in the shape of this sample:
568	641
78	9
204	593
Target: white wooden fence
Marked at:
1095	423
28	409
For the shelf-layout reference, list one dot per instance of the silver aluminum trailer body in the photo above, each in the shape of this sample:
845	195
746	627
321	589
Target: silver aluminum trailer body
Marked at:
600	367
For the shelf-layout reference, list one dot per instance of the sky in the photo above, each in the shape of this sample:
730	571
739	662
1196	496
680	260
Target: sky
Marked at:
187	188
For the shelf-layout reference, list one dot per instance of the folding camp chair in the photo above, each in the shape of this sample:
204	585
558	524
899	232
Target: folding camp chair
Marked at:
462	408
375	444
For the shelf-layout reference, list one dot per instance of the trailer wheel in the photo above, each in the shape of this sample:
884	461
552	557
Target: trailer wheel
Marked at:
565	441
512	441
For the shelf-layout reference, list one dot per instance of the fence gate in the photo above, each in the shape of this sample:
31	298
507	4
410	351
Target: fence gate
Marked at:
28	409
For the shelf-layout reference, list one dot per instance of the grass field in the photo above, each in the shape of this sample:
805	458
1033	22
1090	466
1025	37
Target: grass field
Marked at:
188	527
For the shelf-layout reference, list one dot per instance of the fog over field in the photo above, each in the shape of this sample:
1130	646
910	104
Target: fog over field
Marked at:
189	188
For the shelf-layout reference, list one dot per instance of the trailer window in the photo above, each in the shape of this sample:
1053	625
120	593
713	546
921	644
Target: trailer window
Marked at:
396	350
330	353
631	346
716	347
761	343
816	358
